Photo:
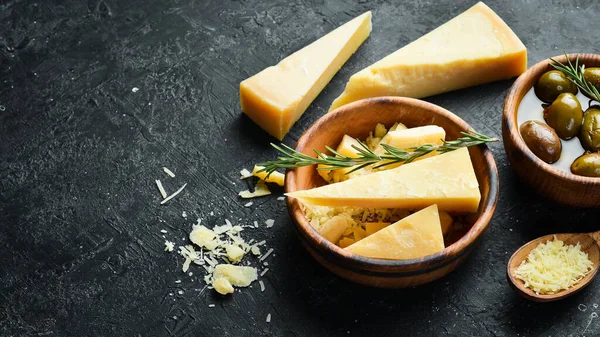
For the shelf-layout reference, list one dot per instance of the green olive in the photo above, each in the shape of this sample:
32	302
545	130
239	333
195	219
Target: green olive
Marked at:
587	165
542	140
589	135
552	84
592	75
564	115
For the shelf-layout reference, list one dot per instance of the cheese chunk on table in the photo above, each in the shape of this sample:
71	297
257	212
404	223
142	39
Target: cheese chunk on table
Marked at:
276	97
415	236
473	48
447	180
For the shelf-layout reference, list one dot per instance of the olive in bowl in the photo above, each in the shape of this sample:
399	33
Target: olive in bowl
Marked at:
588	165
542	140
551	84
592	75
564	115
589	134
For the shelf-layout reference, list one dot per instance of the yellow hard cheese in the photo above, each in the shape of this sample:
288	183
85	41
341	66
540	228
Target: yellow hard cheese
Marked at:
345	149
447	180
475	47
415	236
277	96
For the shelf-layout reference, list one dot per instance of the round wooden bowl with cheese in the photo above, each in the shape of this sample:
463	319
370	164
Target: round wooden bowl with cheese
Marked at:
558	185
357	120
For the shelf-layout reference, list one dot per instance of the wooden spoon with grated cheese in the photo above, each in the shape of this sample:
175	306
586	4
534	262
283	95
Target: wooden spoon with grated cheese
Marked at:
554	266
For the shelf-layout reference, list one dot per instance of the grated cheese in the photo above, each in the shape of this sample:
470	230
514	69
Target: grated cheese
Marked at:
173	195
262	285
553	266
264	272
270	223
269	318
266	254
169	246
223	286
161	189
169	172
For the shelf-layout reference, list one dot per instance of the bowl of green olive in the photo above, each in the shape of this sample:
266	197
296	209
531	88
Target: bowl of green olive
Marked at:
551	128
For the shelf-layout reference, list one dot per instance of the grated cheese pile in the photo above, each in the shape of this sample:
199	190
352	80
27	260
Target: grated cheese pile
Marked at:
553	266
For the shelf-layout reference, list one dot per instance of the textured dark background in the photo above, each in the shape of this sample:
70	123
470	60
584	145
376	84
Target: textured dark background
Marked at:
80	220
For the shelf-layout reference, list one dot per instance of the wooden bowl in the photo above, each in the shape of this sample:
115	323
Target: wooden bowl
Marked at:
357	120
560	186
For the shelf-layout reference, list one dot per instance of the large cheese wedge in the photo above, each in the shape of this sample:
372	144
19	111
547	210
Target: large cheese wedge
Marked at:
415	236
475	47
276	97
447	180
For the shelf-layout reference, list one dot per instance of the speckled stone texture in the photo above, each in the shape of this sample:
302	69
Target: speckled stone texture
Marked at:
80	220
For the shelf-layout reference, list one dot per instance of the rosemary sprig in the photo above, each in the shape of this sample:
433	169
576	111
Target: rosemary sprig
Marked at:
574	73
366	157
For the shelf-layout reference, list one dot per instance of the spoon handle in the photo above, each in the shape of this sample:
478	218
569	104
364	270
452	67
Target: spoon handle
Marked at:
596	236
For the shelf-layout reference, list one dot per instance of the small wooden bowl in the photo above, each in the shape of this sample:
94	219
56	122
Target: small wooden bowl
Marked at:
560	186
357	120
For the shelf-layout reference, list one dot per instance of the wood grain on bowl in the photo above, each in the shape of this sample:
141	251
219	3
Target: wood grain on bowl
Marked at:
357	120
558	185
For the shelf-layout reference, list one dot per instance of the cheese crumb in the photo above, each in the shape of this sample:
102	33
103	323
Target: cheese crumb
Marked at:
262	285
135	89
169	172
270	223
264	272
161	189
211	305
164	231
234	253
203	237
266	254
169	246
173	195
248	204
274	177
245	174
281	198
269	318
255	250
553	266
223	286
240	276
260	190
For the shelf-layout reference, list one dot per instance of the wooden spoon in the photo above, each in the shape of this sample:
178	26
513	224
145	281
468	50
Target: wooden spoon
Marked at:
589	244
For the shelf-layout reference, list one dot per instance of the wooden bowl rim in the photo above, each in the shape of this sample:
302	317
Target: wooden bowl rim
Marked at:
450	253
511	108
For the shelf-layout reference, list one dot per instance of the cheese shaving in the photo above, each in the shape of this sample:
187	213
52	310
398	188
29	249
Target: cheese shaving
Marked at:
245	174
173	195
169	246
161	189
169	172
553	266
268	318
260	190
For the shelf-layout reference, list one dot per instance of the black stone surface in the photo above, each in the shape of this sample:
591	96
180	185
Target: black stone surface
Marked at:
80	220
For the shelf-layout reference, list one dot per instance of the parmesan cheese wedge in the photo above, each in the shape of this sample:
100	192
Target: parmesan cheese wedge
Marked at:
415	236
447	180
473	48
276	97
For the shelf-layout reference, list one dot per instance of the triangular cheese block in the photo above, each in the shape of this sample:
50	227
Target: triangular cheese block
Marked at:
415	236
447	180
475	47
277	96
